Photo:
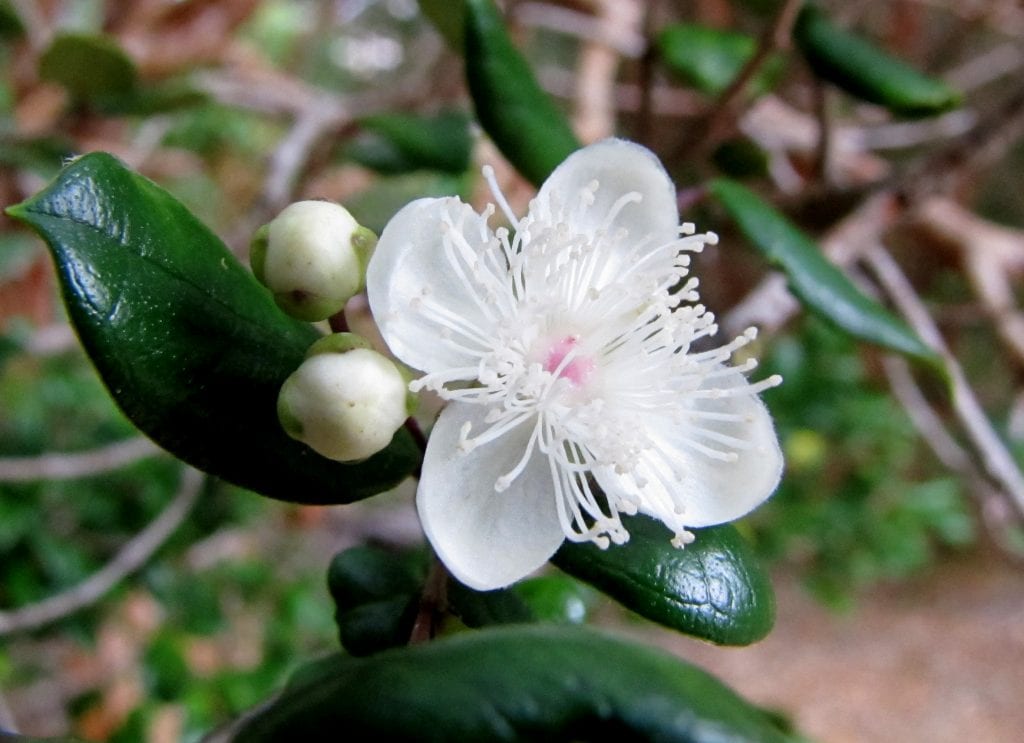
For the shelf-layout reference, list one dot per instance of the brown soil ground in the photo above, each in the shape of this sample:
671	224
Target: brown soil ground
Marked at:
935	659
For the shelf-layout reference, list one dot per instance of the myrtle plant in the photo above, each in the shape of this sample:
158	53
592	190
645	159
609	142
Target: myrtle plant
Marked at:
547	375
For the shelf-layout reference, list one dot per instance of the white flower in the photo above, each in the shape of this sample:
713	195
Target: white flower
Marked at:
567	352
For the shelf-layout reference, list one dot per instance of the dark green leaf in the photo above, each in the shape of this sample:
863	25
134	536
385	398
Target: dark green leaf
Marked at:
518	116
709	59
400	143
193	349
522	683
741	158
89	66
862	69
713	589
11	26
822	287
376	595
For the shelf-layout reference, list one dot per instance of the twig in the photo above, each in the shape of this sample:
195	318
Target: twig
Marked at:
70	466
597	65
8	723
823	153
775	37
130	558
432	604
625	39
996	459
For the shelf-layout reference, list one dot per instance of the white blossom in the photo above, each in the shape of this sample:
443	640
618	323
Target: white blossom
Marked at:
571	351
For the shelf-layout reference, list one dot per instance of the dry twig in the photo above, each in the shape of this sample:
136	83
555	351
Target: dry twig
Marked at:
70	466
130	558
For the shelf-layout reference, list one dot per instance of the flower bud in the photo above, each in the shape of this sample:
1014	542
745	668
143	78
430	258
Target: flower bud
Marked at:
312	256
345	405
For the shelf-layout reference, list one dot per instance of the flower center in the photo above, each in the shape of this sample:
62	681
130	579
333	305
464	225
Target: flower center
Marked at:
563	360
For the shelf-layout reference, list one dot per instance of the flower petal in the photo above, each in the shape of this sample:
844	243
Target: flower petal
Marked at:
486	539
620	168
708	490
410	273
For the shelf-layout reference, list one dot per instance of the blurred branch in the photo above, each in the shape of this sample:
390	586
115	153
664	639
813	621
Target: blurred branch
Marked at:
597	67
79	464
722	116
990	254
7	722
995	457
130	558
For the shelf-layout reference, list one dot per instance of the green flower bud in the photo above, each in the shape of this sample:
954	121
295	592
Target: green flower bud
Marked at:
313	257
346	406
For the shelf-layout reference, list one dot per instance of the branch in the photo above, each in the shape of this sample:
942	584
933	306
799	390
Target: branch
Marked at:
995	458
775	37
78	464
135	553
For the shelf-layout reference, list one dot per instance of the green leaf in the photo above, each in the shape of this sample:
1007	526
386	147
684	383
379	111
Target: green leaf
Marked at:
522	683
518	116
376	596
709	59
191	347
863	70
819	285
89	66
11	25
714	588
400	143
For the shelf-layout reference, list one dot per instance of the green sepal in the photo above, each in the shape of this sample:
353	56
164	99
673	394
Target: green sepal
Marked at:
556	598
190	346
337	343
514	683
517	115
819	285
713	588
862	69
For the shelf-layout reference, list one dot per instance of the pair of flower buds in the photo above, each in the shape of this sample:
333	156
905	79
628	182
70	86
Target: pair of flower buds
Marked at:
346	400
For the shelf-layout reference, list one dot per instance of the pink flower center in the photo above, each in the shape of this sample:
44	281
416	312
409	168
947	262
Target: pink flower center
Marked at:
578	369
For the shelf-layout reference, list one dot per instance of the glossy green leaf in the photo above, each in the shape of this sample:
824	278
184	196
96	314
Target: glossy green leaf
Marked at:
819	285
376	596
522	683
709	59
191	347
713	589
89	66
400	143
518	116
863	70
